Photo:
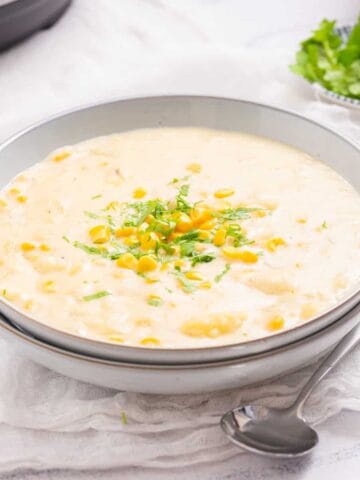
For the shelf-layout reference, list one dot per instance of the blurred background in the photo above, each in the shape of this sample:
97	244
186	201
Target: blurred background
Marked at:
101	49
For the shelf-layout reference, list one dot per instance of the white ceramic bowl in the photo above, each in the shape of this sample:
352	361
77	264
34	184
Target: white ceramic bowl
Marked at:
30	146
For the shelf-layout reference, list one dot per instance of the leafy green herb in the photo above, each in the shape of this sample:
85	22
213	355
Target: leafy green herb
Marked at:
181	203
66	239
239	238
192	235
95	296
186	284
202	258
140	210
224	272
231	214
187	249
155	301
107	218
103	252
324	58
177	180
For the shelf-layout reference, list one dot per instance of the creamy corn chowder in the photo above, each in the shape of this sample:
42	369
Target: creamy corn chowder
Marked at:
178	238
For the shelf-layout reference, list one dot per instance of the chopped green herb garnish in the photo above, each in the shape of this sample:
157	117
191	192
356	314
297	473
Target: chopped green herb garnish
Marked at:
95	296
186	284
95	216
4	292
224	272
95	197
202	258
177	180
231	214
324	224
155	301
182	204
66	239
103	252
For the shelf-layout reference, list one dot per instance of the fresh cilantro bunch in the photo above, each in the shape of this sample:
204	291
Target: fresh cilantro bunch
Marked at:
325	59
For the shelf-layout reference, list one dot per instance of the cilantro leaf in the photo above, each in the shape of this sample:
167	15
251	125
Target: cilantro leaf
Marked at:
324	58
202	258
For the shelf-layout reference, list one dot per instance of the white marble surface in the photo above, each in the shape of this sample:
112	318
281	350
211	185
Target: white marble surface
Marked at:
180	46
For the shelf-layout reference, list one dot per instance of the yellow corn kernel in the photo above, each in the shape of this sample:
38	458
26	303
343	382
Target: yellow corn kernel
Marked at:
152	279
245	256
28	305
127	260
174	235
276	323
11	296
193	275
308	310
143	322
14	191
200	215
153	297
139	193
130	241
148	241
114	205
219	237
100	234
194	167
44	248
116	339
149	219
204	234
49	286
259	213
213	327
208	225
273	243
60	156
147	263
27	247
125	231
150	341
179	263
205	285
224	192
21	198
3	203
183	223
301	220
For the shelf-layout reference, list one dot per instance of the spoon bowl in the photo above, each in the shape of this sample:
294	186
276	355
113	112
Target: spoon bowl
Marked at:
269	431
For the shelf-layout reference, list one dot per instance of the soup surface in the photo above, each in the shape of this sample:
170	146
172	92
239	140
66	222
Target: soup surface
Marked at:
178	238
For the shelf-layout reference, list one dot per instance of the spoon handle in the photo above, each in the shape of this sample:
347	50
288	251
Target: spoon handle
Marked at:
342	348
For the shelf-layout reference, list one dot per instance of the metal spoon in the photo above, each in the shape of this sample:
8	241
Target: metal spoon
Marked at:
282	432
